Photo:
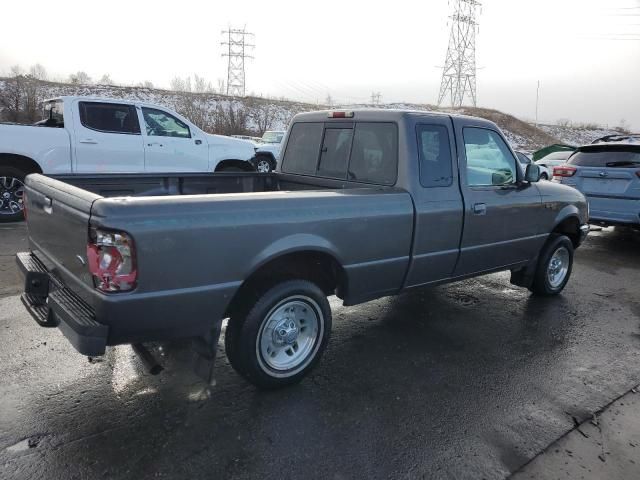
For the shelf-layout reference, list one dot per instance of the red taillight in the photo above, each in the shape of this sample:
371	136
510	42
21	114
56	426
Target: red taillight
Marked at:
112	261
564	171
340	115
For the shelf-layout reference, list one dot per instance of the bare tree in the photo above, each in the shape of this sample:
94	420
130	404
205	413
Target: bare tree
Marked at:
263	115
231	119
38	72
105	80
623	126
80	78
21	98
201	85
221	86
147	84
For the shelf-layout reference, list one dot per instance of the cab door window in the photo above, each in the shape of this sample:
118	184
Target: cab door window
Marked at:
161	124
489	159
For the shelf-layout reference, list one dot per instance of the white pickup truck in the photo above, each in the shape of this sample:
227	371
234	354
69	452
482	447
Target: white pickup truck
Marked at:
81	135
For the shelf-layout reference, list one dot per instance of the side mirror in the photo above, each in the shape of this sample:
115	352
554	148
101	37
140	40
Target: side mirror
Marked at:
532	173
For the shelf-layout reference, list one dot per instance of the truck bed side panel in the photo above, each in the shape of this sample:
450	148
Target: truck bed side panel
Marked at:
194	252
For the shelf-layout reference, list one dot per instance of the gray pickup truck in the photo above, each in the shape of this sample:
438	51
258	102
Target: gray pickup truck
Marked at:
365	204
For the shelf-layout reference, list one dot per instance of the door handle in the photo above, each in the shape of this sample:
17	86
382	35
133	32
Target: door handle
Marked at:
198	142
154	143
479	208
89	141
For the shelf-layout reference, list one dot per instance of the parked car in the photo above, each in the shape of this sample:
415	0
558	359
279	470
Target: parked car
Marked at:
365	204
523	158
82	135
268	150
554	159
608	174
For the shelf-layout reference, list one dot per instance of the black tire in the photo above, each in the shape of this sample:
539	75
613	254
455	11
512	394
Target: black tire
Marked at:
244	336
542	284
265	160
10	172
544	176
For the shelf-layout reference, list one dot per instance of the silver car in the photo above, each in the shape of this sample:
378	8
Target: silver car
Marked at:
608	174
554	159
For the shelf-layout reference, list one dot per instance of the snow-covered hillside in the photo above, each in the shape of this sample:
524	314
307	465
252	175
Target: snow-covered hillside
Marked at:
205	108
575	135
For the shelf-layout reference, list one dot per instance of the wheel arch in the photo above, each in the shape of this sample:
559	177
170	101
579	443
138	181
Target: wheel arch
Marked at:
234	163
316	264
21	162
569	225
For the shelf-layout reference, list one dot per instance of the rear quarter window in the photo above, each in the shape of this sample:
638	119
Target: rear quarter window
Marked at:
303	148
109	117
374	154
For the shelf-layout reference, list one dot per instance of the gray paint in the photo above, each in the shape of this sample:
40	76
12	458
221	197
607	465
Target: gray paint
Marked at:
195	249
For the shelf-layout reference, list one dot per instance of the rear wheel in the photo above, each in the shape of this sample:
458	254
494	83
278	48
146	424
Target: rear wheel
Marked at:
544	176
282	335
11	194
554	266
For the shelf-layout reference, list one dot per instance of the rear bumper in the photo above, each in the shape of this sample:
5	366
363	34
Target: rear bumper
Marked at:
51	304
613	211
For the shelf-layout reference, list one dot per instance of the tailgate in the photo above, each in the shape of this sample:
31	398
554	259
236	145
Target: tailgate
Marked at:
58	221
609	182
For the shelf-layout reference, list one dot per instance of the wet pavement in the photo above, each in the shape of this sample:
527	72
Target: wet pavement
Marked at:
468	380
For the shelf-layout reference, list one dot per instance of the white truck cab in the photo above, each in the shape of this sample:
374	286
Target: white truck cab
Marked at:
101	135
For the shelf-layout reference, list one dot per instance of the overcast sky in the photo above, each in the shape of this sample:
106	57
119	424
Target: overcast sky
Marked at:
585	53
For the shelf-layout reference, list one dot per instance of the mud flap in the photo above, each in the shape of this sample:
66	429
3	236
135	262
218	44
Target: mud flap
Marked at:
523	277
205	349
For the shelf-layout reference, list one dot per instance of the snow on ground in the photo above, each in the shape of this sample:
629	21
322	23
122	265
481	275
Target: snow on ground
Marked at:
575	135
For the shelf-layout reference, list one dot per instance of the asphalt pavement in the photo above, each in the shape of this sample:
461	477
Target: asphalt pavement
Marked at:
476	379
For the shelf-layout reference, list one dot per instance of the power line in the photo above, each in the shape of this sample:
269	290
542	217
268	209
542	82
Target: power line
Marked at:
237	53
459	71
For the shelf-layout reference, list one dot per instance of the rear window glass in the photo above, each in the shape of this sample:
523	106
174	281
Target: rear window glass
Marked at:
303	148
109	117
606	158
366	152
334	155
374	155
435	156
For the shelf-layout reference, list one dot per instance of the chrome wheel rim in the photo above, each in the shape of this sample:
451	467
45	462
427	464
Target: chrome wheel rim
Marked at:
289	336
558	267
263	166
11	196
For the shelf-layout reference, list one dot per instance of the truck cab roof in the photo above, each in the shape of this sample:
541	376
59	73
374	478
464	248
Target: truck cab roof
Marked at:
383	114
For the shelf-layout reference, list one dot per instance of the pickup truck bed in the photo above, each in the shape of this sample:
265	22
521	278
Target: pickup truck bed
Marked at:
366	204
235	227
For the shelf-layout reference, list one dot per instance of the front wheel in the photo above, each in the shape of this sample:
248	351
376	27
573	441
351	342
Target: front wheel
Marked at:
283	335
554	266
11	194
544	176
263	164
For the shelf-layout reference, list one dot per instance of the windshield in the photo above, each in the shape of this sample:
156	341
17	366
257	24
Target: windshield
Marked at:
607	158
52	114
272	137
561	155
